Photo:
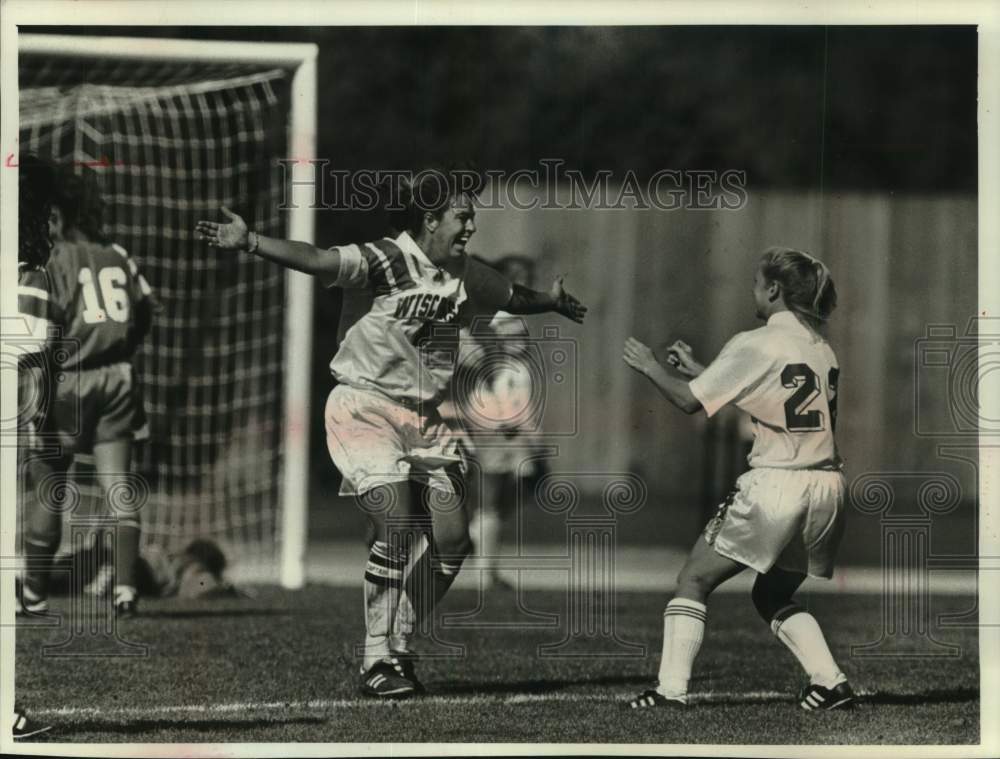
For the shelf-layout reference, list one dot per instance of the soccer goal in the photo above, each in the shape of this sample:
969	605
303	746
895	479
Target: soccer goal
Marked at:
175	129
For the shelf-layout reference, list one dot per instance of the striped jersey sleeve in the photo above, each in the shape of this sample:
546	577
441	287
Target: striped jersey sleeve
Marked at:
34	306
353	272
379	266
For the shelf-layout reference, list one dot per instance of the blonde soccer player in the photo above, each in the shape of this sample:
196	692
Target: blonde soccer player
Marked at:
394	367
785	517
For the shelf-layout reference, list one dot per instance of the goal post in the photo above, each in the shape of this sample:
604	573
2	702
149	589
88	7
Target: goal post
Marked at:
175	128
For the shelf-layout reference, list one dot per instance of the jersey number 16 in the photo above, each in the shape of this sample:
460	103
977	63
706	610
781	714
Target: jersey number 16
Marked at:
112	302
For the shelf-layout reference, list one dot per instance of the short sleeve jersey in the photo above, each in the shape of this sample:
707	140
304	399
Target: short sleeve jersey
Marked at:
406	345
33	307
95	288
785	376
28	338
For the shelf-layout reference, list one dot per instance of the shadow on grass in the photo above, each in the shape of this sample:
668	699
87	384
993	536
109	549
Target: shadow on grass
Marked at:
937	696
211	612
535	686
941	696
139	727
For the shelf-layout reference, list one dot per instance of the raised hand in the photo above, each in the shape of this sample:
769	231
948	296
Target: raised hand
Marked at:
566	304
680	356
230	236
639	356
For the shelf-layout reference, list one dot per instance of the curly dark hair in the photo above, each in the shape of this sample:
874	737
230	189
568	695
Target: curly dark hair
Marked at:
78	197
429	190
36	179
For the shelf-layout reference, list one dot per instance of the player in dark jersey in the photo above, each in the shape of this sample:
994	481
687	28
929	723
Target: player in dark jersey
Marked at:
34	203
103	307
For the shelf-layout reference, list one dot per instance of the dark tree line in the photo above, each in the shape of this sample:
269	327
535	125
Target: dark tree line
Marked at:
843	107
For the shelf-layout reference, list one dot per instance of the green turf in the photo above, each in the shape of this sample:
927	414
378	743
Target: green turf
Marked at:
297	648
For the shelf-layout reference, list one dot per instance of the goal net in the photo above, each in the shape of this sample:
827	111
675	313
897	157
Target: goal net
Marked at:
174	130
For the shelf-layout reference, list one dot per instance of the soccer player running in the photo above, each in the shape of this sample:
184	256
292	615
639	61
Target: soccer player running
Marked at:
394	366
785	517
103	307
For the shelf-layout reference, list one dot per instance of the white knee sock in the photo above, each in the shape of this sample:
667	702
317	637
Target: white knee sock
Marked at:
383	586
683	631
799	630
402	627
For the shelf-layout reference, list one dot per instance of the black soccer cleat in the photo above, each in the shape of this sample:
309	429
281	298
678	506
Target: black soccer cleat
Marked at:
26	601
387	679
25	727
819	699
408	661
653	699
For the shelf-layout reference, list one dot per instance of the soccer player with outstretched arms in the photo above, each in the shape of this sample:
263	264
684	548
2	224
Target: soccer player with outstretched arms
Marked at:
393	368
102	306
785	517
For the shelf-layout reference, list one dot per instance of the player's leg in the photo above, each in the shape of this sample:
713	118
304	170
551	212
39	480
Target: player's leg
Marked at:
813	550
433	574
113	464
393	531
119	404
684	617
55	433
362	436
796	627
403	622
487	525
44	480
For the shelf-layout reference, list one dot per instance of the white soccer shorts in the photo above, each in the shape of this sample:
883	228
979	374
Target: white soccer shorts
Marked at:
790	518
374	441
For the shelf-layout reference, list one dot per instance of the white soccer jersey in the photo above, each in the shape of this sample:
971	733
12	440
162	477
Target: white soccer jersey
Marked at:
406	346
785	376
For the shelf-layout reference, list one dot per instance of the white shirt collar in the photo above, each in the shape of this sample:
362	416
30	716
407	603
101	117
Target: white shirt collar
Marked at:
408	245
783	318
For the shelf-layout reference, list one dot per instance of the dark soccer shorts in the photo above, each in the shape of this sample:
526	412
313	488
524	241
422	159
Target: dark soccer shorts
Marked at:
100	405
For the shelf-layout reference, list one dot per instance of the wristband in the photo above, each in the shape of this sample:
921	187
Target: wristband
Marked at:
253	242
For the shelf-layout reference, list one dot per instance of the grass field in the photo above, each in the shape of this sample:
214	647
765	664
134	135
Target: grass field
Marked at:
279	668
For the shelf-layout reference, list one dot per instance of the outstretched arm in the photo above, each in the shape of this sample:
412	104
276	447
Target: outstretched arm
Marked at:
640	357
524	301
300	256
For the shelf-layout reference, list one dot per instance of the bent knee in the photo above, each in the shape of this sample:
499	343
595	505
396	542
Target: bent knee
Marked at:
760	595
694	582
770	597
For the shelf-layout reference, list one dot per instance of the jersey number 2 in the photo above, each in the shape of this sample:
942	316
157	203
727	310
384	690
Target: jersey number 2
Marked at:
804	379
112	303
